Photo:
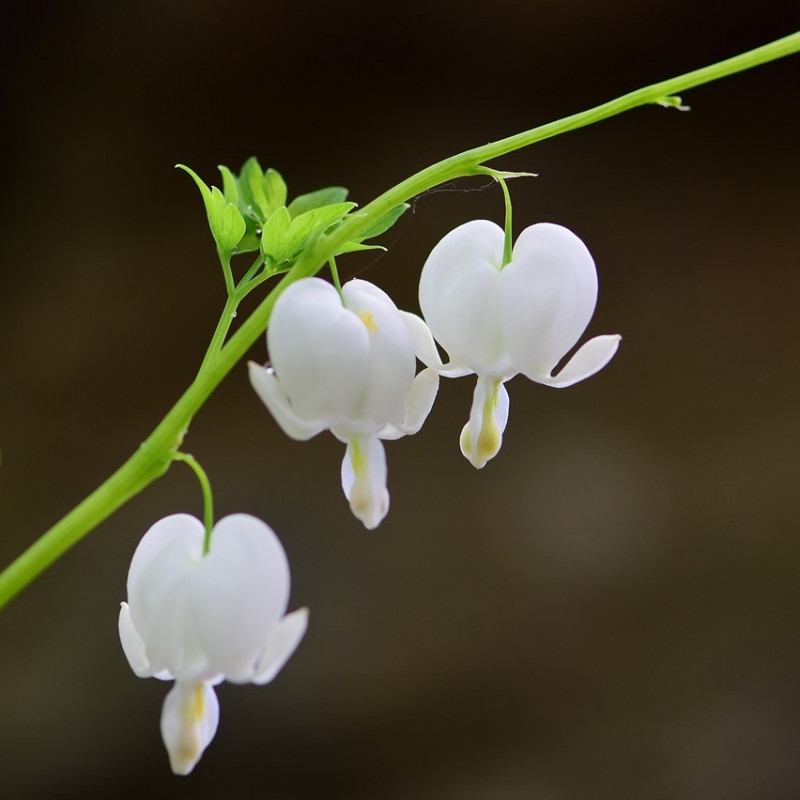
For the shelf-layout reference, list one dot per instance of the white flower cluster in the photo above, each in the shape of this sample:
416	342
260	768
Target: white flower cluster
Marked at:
346	362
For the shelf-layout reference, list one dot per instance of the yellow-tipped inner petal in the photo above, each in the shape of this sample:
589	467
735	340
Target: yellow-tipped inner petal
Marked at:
190	745
489	437
360	499
196	708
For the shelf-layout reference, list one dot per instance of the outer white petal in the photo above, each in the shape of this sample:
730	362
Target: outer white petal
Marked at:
392	362
482	436
590	358
134	648
132	644
283	641
319	350
425	347
189	720
364	479
419	403
238	593
158	595
548	296
459	294
268	388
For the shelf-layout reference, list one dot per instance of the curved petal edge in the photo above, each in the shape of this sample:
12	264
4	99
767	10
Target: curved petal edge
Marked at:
283	641
590	358
268	388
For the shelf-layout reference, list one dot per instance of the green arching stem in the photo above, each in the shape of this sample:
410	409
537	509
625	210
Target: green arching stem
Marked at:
154	456
228	314
508	241
508	227
208	498
335	275
221	331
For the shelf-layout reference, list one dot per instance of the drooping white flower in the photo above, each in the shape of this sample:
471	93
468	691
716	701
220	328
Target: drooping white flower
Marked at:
346	363
497	321
200	619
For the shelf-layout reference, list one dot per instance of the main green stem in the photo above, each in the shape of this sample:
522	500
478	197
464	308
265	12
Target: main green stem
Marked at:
154	456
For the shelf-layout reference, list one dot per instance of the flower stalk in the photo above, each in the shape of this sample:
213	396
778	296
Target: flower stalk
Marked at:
157	452
208	498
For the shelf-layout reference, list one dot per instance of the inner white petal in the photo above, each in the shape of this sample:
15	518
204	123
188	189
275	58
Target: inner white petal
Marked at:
364	476
189	720
482	436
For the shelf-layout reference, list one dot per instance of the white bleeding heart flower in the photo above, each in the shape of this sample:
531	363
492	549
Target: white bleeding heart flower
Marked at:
200	619
498	321
346	363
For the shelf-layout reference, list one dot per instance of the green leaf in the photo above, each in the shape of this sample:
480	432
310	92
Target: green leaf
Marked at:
274	190
226	223
275	236
251	240
322	197
261	193
318	219
252	194
229	188
204	190
385	222
357	247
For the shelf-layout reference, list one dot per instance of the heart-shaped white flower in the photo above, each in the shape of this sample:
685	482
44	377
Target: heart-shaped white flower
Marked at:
200	619
497	321
346	363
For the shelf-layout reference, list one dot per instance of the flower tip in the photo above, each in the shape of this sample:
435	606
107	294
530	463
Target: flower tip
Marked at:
367	508
482	436
489	442
189	721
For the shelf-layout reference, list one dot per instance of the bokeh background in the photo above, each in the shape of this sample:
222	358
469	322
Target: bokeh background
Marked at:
611	608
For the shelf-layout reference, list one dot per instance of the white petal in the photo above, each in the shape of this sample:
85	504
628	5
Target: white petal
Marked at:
268	388
459	294
392	362
418	405
548	296
482	436
189	720
425	347
364	479
238	593
158	595
132	644
590	358
283	641
319	350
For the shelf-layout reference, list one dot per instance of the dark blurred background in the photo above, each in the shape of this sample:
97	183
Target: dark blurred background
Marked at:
611	608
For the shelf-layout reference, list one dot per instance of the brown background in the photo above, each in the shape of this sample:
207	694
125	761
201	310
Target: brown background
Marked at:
611	608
